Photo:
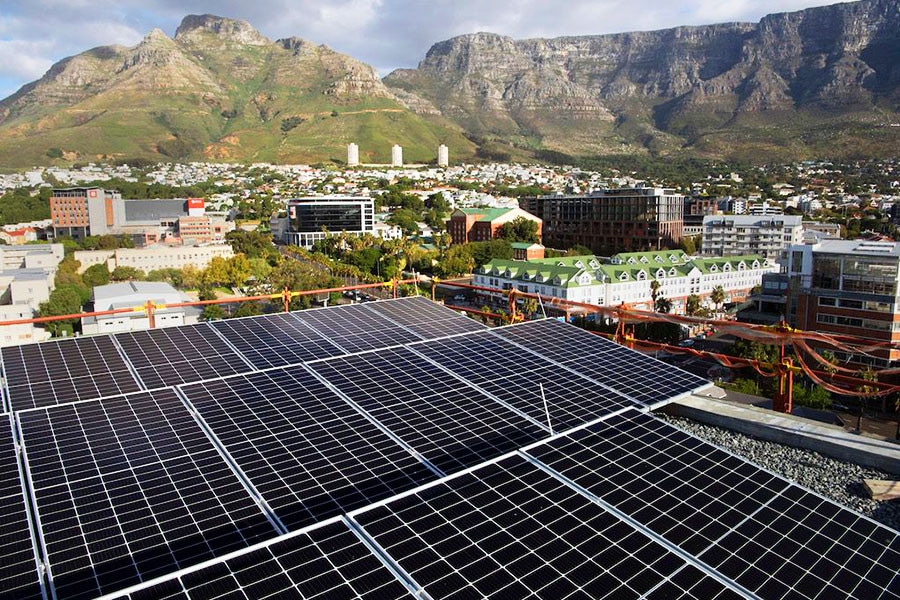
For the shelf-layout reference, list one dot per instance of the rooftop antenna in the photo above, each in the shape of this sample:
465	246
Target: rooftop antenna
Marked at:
546	408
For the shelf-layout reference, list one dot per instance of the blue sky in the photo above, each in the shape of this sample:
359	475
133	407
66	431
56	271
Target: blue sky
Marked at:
387	34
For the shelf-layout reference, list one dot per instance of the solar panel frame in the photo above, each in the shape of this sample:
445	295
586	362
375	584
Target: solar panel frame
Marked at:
308	452
275	340
646	380
62	371
127	488
425	318
172	355
524	380
326	560
443	418
720	508
355	328
509	529
20	576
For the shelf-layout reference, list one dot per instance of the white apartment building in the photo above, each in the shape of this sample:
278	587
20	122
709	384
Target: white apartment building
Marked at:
737	235
24	333
396	156
443	157
152	258
352	155
627	278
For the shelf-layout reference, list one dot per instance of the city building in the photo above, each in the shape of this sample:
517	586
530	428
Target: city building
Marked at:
849	287
483	224
131	294
352	155
610	221
736	235
38	256
155	257
396	156
833	230
22	333
443	157
311	219
626	278
18	237
80	212
527	251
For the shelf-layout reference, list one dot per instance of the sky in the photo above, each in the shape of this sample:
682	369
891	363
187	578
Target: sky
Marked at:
387	34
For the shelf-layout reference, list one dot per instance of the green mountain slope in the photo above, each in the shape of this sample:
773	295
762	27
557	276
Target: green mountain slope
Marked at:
218	91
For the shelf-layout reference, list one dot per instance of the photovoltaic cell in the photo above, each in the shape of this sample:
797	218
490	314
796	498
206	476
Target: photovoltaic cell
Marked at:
770	536
450	423
326	562
19	576
173	355
308	452
636	375
355	328
130	488
51	373
275	340
426	318
510	530
516	376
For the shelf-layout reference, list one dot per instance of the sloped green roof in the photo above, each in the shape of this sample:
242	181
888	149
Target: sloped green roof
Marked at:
651	256
486	213
705	264
548	273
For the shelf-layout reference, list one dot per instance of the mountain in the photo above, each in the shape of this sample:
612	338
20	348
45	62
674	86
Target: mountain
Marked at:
218	90
822	82
818	82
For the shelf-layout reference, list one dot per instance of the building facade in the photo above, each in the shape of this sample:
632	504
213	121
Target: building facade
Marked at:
443	157
627	278
610	221
137	293
352	155
80	212
736	235
483	224
849	287
396	156
153	258
311	219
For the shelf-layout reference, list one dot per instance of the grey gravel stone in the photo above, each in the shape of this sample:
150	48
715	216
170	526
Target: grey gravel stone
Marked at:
834	479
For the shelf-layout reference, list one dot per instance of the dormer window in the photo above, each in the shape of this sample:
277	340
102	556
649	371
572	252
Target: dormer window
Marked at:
714	268
660	273
623	276
644	260
741	266
579	264
755	264
658	258
673	272
641	275
726	267
631	261
560	264
594	264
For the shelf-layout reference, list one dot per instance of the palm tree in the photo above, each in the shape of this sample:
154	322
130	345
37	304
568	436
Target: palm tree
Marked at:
718	297
654	292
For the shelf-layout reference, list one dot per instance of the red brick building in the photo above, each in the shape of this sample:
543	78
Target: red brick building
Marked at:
483	224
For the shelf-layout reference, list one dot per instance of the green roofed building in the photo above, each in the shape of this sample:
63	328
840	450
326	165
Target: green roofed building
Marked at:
626	278
483	224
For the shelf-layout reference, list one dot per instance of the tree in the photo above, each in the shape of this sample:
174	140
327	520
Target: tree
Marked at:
579	250
662	305
692	305
96	275
212	312
718	297
216	271
252	244
654	292
238	269
520	229
64	300
126	274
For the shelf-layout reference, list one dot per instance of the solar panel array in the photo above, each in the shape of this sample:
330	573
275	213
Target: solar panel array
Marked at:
346	452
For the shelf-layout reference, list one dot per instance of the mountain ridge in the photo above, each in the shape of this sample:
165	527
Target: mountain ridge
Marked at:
821	82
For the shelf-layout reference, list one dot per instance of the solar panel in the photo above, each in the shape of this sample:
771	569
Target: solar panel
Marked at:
770	536
637	375
511	530
65	371
19	576
450	423
174	355
426	318
326	562
516	376
131	488
355	328
275	340
307	451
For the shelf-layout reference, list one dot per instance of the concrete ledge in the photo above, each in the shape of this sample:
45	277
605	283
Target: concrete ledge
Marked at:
789	430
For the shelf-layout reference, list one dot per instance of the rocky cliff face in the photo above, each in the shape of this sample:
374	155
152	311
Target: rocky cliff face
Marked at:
646	86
